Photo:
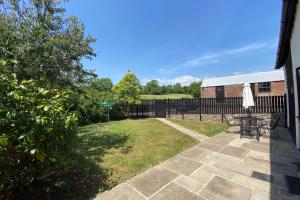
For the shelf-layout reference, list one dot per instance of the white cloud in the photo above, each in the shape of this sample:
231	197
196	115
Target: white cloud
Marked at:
237	73
202	60
250	47
183	80
217	57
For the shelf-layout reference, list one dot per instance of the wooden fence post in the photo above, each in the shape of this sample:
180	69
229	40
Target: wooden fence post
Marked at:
200	109
182	114
142	110
169	107
222	111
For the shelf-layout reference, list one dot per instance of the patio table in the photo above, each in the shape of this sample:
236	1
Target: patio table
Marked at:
249	124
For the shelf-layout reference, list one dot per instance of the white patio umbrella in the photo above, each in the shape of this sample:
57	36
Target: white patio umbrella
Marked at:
247	96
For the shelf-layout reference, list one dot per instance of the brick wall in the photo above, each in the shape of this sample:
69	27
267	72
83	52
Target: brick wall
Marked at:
208	92
277	89
233	90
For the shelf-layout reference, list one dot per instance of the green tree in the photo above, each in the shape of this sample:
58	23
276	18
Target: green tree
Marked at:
195	89
178	88
102	85
152	87
36	127
169	89
128	89
186	89
163	89
40	43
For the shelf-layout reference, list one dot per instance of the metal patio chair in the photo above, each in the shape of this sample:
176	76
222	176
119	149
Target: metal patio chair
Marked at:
248	125
272	126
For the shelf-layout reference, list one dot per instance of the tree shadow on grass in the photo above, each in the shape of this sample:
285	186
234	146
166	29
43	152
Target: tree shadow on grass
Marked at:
85	177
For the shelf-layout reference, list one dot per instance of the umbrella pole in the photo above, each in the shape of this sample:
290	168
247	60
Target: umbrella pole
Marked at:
248	111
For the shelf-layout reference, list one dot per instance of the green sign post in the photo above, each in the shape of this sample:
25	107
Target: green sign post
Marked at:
106	104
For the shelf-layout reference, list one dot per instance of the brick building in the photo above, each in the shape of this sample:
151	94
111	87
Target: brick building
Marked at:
262	84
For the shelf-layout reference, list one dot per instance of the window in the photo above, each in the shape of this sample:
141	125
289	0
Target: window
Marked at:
220	94
264	87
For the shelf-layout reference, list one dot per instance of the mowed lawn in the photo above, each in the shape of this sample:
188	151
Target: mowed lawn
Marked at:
204	127
129	147
166	96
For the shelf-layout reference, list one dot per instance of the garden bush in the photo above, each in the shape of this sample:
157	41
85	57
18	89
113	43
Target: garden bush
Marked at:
90	110
36	127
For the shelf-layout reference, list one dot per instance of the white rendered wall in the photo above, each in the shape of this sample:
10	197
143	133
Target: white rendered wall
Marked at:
295	51
287	98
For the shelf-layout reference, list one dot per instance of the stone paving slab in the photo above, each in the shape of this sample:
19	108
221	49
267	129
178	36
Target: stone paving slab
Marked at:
260	195
235	167
272	166
257	147
202	176
252	183
258	154
236	143
262	176
189	183
221	189
221	139
274	194
235	151
196	154
279	158
122	191
217	157
210	146
175	192
152	180
283	146
211	169
181	165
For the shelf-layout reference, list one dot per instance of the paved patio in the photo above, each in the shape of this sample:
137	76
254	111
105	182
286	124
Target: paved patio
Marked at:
223	167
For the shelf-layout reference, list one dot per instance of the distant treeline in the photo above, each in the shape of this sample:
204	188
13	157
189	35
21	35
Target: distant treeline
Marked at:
152	87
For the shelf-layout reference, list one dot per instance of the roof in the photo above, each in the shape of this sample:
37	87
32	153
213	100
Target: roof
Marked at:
287	21
277	75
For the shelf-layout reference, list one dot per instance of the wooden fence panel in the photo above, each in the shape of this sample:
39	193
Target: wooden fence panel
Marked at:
232	105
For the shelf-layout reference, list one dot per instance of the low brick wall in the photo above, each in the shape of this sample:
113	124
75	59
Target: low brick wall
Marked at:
230	117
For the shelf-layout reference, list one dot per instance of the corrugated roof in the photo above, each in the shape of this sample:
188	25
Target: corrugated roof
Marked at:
277	75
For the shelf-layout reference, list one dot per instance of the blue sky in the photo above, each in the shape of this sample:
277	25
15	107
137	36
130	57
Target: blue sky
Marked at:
180	40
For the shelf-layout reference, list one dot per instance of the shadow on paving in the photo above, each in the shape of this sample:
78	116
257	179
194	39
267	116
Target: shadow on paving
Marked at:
284	164
86	177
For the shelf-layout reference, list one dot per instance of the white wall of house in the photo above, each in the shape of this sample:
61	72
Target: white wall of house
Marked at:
287	98
295	51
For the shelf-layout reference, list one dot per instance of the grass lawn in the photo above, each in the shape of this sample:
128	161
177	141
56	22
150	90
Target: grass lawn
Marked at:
207	128
166	96
130	146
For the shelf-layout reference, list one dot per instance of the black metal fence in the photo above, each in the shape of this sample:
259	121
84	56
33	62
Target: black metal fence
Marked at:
234	105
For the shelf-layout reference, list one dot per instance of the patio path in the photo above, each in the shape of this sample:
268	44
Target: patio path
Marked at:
223	167
189	132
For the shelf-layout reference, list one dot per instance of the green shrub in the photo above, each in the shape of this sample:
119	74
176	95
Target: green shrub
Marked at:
87	106
118	111
36	128
90	110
